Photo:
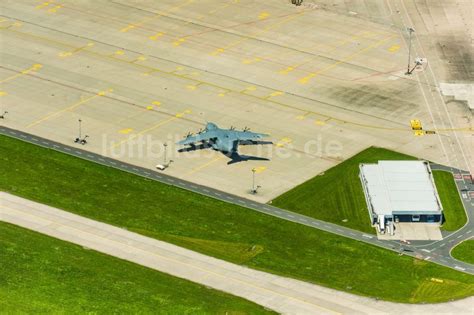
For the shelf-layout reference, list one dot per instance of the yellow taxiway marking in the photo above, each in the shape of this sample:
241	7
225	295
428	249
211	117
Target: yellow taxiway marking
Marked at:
249	88
249	61
156	103
55	9
164	122
139	58
156	36
394	48
126	131
197	169
119	52
261	32
276	93
306	79
3	93
177	42
271	101
260	169
155	16
334	46
44	4
33	68
319	122
192	87
69	108
66	54
284	141
263	15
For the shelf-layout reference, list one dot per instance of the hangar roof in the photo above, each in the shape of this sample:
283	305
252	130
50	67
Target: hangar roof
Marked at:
400	186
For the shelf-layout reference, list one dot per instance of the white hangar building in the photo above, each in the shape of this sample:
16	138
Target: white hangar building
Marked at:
400	191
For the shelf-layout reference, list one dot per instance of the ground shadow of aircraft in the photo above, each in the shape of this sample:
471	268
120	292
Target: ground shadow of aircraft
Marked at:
225	141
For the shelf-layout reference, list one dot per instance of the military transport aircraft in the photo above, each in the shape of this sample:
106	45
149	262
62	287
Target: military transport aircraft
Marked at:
225	141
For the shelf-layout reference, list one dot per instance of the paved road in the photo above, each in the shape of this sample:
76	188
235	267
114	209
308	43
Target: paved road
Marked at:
431	252
281	294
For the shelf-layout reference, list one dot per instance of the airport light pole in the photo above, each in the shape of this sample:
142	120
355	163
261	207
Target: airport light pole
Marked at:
410	31
165	145
253	181
78	139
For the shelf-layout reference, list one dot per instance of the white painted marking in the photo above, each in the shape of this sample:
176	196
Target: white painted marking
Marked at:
54	145
44	142
428	258
353	234
367	236
425	250
217	194
23	136
291	216
35	140
146	173
205	190
79	152
459	268
67	149
113	163
171	180
89	155
13	132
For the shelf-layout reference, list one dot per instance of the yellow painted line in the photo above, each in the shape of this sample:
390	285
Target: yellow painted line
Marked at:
139	58
177	42
66	54
319	122
126	131
220	87
249	88
263	15
197	169
164	122
69	108
156	103
55	9
119	52
3	93
156	36
33	68
283	141
276	93
261	32
155	16
306	79
394	48
44	4
260	169
249	61
335	46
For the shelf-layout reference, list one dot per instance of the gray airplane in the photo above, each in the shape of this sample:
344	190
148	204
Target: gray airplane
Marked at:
225	141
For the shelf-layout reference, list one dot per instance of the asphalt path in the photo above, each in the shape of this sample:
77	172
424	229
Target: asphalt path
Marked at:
436	252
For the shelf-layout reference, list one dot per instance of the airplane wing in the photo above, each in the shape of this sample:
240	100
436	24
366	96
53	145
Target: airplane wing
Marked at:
198	138
248	135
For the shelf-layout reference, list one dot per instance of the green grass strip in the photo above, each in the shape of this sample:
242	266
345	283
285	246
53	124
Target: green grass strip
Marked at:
223	230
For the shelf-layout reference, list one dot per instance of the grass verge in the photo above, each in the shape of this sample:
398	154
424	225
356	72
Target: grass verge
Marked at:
464	251
453	208
336	195
40	274
219	229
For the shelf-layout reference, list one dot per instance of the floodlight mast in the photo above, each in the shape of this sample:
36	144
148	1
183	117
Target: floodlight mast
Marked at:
410	31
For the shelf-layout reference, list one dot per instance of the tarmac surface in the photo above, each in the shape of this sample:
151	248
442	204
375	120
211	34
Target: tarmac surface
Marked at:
436	252
284	295
326	80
